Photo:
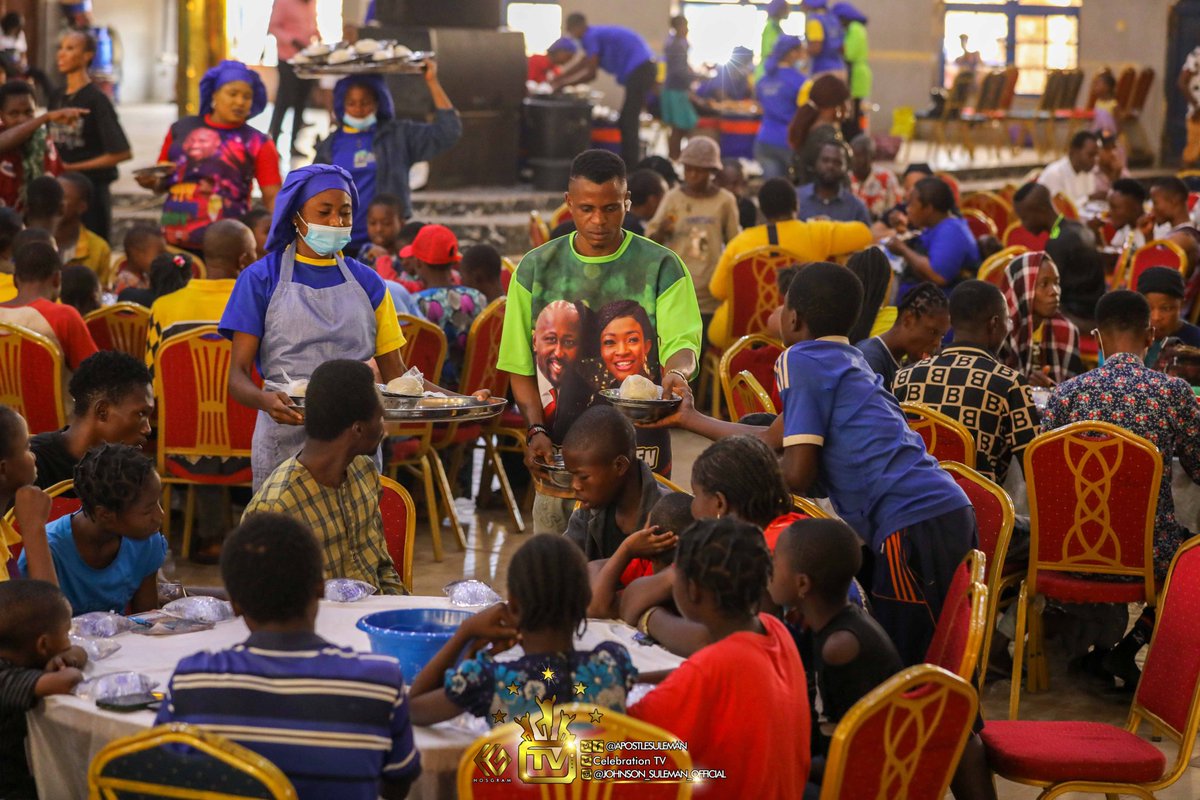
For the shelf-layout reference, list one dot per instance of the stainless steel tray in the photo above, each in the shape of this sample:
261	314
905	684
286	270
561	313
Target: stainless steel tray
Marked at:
433	409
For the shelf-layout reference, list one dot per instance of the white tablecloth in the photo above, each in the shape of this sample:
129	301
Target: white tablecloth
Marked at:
65	732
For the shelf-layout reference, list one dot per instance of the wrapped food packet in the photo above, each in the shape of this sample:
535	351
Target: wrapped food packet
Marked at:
200	609
115	684
100	625
410	384
346	590
96	649
470	593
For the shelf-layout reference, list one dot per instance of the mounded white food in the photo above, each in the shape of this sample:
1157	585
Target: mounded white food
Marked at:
407	385
342	56
639	387
365	46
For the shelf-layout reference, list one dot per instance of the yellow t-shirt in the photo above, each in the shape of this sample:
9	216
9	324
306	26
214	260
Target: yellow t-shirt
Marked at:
8	287
94	253
8	538
814	240
200	302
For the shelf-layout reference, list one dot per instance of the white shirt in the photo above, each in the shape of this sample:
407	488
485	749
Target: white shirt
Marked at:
1061	178
1192	65
1122	236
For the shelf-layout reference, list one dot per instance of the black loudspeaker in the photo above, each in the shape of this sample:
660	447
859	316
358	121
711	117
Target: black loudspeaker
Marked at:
440	13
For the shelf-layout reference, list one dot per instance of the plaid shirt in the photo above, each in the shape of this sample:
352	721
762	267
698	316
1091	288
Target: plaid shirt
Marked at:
346	520
992	401
1150	404
880	192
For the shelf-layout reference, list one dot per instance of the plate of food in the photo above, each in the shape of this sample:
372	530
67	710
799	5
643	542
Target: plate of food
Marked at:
640	399
436	407
158	171
556	482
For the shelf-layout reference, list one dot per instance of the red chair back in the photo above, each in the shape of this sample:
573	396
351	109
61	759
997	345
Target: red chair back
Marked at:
31	378
757	355
121	327
197	416
747	396
903	739
958	636
479	370
1158	253
992	205
946	439
1064	206
993	513
1170	684
399	524
980	224
62	502
1016	234
424	347
756	289
1093	493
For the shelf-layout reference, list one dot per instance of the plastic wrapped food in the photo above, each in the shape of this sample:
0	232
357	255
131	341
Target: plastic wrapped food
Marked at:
410	384
345	590
115	684
100	625
96	649
471	593
639	387
342	56
297	388
200	609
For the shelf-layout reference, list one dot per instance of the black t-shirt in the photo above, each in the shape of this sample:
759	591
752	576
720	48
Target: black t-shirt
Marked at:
94	134
843	686
1080	270
54	463
17	695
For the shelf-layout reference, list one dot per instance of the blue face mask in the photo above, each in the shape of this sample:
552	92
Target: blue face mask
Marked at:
359	123
325	240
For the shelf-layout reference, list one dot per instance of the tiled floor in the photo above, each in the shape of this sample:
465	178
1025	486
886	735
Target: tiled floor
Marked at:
491	542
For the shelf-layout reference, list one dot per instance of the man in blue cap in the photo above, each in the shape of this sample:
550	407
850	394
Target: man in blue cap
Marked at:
622	53
824	34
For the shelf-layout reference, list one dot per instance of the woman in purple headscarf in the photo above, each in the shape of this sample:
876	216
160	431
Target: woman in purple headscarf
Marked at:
303	304
216	157
376	148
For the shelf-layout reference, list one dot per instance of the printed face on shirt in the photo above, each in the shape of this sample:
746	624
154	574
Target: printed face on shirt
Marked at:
556	339
201	144
624	348
232	103
1046	291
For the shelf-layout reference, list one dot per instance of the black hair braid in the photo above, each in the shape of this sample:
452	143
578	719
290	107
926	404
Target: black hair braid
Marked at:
111	475
729	558
746	471
923	299
549	580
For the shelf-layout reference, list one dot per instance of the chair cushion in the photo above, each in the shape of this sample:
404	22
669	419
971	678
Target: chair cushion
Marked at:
512	418
1069	589
1070	751
404	450
462	435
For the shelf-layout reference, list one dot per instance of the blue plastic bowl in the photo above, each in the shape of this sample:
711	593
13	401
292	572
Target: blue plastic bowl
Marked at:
413	636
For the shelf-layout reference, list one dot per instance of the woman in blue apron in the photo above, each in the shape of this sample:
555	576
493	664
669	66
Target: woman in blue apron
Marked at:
303	304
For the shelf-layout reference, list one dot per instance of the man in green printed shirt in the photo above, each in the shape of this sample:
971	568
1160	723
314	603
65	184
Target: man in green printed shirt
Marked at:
587	310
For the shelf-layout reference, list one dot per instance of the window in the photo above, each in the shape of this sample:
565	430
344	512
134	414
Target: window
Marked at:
1034	35
540	22
715	27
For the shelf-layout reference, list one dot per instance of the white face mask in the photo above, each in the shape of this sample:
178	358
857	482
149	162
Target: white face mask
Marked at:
359	123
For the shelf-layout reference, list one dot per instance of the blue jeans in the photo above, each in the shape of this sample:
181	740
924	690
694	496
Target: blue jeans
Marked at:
773	159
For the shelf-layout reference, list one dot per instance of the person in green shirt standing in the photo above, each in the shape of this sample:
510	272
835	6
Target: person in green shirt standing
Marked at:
777	12
855	50
587	310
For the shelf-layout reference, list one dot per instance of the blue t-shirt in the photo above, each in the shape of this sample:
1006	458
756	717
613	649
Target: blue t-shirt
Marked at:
845	207
952	251
619	49
353	151
109	589
777	95
874	467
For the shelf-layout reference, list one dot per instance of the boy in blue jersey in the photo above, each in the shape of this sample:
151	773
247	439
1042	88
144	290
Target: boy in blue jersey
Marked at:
335	721
843	434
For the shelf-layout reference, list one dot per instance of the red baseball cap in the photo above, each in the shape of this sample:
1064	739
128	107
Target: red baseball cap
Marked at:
435	244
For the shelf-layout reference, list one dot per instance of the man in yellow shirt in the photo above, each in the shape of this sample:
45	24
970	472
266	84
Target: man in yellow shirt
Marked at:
10	226
813	240
229	247
77	244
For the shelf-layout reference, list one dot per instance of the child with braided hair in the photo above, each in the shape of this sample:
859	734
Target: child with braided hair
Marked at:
106	555
744	693
922	320
548	597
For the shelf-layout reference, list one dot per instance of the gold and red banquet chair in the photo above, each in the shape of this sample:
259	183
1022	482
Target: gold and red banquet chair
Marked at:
960	631
425	348
756	354
1158	253
197	418
981	224
903	739
31	378
753	296
1017	234
946	439
1093	492
1064	206
62	502
747	396
491	766
399	527
480	371
539	231
121	326
507	270
991	205
1065	757
994	516
992	268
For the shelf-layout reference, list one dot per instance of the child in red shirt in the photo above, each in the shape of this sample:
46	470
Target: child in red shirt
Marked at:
38	275
745	693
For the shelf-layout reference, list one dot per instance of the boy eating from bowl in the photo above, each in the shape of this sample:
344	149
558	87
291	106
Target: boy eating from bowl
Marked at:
335	721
